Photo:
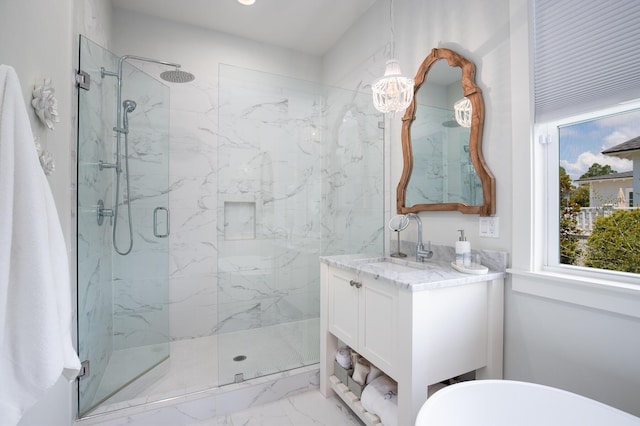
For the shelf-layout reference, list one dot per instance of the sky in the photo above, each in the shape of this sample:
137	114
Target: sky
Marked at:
582	144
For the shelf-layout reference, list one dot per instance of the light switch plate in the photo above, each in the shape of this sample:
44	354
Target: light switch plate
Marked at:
489	227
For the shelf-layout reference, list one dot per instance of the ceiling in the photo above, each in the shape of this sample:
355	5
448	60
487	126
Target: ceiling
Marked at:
309	26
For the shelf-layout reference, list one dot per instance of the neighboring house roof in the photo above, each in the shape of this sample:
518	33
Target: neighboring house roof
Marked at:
609	177
625	149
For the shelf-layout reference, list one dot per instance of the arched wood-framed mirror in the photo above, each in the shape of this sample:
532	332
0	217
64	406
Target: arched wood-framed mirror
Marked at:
444	169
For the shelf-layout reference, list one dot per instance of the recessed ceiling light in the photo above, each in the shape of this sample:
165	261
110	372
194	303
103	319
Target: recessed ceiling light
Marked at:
247	2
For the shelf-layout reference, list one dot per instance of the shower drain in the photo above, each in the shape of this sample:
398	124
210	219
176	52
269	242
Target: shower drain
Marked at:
239	358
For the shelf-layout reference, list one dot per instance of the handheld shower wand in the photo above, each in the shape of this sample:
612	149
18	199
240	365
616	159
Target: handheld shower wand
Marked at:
129	106
124	108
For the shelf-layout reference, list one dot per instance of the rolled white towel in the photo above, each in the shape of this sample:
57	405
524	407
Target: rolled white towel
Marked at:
380	397
343	357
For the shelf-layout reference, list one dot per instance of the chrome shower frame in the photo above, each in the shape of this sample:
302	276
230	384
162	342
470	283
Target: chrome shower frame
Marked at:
121	128
118	75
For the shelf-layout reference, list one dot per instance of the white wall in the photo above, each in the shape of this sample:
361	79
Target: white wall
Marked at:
591	350
200	50
480	32
585	350
39	39
477	30
92	19
36	40
37	49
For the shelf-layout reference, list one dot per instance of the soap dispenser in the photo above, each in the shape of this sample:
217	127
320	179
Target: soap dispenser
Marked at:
463	250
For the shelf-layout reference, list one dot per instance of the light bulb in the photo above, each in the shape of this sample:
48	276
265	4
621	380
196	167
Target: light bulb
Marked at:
393	92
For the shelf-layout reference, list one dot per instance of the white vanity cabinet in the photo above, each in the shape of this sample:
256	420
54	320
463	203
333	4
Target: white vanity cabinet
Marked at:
419	328
364	313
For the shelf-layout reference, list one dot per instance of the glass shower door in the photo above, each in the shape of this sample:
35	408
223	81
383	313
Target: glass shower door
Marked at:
300	175
123	312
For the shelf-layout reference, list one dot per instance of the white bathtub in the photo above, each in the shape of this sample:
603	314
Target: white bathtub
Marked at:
512	403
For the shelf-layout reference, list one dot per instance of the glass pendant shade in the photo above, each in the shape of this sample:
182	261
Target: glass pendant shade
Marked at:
462	109
393	92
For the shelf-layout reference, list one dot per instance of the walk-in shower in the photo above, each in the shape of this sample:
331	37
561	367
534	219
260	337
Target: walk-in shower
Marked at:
265	174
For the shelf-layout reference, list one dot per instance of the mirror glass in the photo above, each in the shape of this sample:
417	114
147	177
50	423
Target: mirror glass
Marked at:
442	168
443	164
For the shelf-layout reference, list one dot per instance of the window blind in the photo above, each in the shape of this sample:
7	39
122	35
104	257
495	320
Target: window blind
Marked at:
586	55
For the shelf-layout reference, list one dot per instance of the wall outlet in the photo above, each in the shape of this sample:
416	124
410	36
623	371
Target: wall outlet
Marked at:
489	227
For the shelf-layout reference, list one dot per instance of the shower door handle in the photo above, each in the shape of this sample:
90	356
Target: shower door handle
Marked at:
155	222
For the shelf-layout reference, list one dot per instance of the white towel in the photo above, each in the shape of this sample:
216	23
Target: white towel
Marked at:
35	297
361	371
380	397
374	373
343	356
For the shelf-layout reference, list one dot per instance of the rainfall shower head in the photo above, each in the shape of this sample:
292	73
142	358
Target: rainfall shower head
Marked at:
174	76
177	76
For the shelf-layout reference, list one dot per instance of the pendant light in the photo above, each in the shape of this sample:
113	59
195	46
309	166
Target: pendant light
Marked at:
393	92
463	111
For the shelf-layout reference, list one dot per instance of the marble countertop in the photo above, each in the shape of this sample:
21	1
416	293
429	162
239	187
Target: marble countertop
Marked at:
410	275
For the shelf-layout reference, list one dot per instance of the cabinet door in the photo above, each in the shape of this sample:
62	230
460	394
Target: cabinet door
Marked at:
378	338
343	306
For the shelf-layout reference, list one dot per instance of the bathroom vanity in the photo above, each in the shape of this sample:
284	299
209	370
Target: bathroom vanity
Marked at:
419	322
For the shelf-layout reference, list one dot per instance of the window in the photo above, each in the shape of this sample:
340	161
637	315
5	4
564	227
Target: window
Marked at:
587	111
592	222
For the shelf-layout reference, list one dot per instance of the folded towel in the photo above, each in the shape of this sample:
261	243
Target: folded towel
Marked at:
343	356
380	397
35	294
361	371
374	373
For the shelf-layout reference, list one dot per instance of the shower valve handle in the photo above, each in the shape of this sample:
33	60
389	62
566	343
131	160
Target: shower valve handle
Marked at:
102	165
102	213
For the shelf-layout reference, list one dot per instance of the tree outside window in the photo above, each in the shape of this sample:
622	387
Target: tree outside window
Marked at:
599	227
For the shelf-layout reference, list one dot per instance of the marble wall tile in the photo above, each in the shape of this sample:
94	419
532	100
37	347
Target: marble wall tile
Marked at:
140	312
306	163
193	305
193	143
238	316
192	259
193	226
192	192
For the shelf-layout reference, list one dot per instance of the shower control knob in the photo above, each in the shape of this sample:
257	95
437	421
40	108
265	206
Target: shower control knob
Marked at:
102	213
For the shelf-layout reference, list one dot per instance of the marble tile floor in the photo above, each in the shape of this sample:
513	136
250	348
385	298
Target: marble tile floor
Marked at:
196	365
307	408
